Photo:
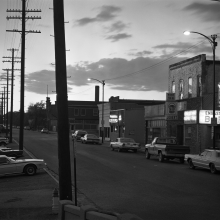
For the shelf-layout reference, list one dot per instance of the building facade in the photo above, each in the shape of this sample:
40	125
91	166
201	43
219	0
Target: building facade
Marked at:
189	104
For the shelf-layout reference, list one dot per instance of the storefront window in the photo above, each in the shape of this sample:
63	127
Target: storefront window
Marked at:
181	89
190	87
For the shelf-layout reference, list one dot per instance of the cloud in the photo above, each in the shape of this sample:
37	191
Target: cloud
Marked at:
140	53
201	47
207	12
117	27
118	37
106	13
41	82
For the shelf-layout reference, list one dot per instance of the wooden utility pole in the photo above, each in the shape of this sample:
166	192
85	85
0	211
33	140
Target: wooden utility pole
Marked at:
12	86
23	32
62	103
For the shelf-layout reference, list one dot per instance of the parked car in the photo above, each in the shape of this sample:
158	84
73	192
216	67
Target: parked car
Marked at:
125	144
90	138
78	134
166	148
209	159
44	130
3	141
11	153
28	166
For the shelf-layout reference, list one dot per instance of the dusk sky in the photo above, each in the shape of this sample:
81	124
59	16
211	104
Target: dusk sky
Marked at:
128	43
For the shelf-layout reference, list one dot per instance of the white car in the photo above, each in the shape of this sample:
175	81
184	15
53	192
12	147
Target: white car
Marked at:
28	166
209	159
126	144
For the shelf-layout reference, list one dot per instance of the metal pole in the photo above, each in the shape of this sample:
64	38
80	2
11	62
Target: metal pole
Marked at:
74	159
213	49
103	132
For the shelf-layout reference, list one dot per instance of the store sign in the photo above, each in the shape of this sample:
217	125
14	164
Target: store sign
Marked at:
113	120
190	117
170	97
205	116
171	111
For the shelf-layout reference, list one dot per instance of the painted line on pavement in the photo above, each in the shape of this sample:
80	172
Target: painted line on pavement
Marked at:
32	156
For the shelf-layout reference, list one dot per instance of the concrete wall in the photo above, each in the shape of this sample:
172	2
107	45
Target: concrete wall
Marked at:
68	211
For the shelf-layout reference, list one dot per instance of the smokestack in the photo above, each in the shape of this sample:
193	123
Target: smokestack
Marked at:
96	93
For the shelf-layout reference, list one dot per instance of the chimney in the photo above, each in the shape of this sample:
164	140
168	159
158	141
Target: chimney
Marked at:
96	93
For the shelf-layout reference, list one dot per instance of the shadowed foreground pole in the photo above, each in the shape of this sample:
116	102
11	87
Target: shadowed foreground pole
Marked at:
62	103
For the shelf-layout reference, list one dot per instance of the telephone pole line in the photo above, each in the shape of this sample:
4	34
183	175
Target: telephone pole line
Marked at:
23	19
12	86
62	103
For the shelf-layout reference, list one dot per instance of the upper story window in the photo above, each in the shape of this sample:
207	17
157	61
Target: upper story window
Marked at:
181	89
76	111
190	87
173	87
199	86
83	112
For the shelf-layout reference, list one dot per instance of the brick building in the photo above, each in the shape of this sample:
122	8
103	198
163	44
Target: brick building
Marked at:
188	109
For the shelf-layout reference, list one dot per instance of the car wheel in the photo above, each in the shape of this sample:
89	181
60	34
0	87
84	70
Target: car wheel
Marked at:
30	170
135	151
191	165
212	168
2	144
147	154
112	148
119	150
181	160
161	157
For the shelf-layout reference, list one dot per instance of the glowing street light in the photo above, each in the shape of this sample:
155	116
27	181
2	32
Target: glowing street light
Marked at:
103	84
213	45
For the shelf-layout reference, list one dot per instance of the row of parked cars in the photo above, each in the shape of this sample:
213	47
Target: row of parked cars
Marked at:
10	162
164	148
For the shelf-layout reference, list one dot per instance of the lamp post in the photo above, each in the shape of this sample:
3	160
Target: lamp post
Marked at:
103	84
213	45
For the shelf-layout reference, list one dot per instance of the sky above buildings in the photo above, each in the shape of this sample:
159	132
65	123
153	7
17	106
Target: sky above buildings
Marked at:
128	43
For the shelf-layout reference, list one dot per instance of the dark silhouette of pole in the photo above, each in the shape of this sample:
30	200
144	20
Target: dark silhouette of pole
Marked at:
62	103
7	106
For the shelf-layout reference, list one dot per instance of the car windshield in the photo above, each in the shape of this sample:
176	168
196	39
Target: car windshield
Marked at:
127	140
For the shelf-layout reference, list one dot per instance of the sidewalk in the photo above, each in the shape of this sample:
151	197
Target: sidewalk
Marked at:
27	197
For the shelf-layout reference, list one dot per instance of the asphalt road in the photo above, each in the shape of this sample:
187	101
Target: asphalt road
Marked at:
125	182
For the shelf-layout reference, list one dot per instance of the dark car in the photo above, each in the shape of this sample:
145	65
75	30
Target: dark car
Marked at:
90	138
11	153
78	134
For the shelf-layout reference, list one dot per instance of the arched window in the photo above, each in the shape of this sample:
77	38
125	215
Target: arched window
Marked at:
199	86
181	89
190	87
173	87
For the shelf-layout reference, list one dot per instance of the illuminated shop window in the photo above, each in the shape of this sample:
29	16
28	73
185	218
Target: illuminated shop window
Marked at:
181	89
199	86
190	87
173	87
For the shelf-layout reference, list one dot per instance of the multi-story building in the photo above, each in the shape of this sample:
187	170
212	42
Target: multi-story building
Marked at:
188	110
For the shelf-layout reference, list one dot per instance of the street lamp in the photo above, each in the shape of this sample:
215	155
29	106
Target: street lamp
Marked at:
213	45
103	84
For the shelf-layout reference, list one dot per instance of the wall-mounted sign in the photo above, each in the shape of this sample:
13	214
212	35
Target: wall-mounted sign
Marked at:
190	117
170	97
171	111
113	120
113	116
205	116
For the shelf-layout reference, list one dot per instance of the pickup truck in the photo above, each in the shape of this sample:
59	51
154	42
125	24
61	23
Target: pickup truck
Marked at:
166	148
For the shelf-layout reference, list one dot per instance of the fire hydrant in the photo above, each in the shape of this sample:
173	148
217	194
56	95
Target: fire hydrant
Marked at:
55	199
